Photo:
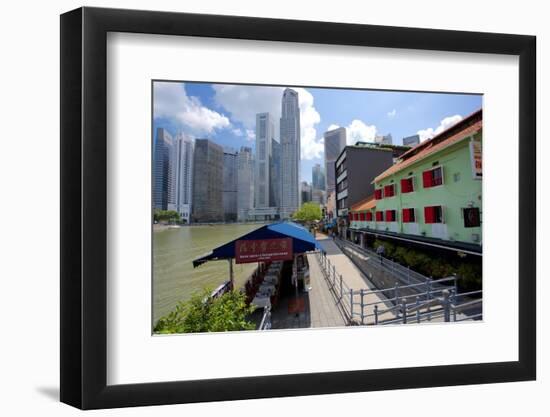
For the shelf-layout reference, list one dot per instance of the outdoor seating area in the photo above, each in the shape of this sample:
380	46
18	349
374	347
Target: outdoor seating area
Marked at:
263	287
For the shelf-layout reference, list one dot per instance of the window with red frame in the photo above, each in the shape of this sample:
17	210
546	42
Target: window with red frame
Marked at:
407	185
408	215
432	177
391	215
378	194
379	216
389	190
433	214
369	216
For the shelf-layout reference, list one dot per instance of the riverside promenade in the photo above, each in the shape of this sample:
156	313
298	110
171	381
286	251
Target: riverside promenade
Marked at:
352	277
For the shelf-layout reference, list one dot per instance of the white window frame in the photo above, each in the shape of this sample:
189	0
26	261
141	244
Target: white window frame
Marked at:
412	177
442	176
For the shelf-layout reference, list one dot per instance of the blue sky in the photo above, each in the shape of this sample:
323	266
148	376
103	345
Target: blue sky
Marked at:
225	113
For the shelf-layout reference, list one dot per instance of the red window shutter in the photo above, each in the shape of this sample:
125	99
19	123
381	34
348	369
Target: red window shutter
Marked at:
378	194
429	214
427	179
388	191
362	216
369	216
379	216
389	216
356	216
406	215
350	216
404	186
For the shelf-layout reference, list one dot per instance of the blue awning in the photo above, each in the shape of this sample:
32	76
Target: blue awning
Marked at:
302	241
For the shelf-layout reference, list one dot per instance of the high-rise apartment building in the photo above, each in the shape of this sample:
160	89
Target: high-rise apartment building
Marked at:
229	196
163	171
335	142
207	182
290	153
183	176
245	183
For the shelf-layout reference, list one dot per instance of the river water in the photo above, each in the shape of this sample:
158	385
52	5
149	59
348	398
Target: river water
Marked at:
175	279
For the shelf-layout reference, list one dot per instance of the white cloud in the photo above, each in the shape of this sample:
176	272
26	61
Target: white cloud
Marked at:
357	131
446	123
237	132
250	135
243	102
391	114
172	101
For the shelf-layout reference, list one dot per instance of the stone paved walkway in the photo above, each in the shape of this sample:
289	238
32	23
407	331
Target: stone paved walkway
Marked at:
324	311
354	278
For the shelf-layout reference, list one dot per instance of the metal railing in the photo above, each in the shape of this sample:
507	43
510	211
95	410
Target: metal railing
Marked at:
416	302
402	273
265	324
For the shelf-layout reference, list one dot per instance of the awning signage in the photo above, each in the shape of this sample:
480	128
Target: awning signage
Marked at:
247	251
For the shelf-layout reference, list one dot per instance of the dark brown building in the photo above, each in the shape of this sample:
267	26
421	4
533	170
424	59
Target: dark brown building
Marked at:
356	168
207	182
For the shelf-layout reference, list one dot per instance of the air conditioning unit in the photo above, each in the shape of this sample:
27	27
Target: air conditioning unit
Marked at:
475	237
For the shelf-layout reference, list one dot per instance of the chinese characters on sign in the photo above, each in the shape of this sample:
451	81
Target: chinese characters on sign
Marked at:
475	156
263	250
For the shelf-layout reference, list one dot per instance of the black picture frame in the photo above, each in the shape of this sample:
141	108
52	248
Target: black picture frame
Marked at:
84	207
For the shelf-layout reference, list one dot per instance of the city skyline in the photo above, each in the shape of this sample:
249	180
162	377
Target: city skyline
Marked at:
226	114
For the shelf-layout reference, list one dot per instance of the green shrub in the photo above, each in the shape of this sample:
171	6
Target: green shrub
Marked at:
201	313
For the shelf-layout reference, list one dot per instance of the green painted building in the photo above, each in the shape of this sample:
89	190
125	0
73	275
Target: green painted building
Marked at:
432	195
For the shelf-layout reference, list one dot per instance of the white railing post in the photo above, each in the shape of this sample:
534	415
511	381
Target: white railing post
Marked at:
351	304
453	303
446	306
341	287
395	296
362	306
429	299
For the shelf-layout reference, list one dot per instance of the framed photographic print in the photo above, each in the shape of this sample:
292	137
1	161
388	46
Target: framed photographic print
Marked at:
257	208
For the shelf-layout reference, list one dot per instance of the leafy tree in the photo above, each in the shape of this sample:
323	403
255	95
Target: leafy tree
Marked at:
170	216
202	313
309	212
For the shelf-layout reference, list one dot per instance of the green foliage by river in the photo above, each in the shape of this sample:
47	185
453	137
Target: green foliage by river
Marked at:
175	279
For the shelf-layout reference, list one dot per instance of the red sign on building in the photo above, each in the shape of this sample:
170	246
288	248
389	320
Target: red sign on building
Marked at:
247	251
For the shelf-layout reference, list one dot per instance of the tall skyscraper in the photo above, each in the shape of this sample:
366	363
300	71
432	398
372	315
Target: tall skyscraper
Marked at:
317	177
183	176
275	175
384	139
163	171
245	183
411	140
264	139
306	190
207	182
290	153
335	142
229	195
